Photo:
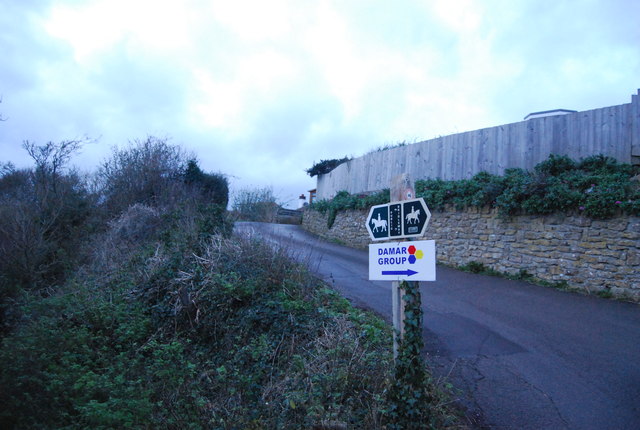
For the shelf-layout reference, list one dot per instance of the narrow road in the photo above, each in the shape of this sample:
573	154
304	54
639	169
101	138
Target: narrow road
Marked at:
522	356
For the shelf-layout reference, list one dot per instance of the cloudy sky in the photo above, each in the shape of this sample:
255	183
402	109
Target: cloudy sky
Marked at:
260	90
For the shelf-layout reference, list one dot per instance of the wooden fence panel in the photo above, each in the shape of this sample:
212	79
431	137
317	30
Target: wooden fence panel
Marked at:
613	131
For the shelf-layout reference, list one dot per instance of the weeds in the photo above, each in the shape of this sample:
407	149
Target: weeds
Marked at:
521	275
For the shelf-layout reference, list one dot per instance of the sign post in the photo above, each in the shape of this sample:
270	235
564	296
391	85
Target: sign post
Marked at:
405	217
403	262
401	189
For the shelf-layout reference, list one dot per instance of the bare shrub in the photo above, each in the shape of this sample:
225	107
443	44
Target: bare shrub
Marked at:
138	225
148	172
42	216
256	204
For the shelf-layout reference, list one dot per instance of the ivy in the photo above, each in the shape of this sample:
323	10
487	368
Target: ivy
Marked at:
343	201
410	400
597	187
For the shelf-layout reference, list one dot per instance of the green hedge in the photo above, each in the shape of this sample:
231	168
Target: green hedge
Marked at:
598	187
343	200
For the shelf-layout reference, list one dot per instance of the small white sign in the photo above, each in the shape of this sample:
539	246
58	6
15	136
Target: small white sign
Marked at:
397	261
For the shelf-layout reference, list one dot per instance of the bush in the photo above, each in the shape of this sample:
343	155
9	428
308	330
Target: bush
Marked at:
256	204
44	214
89	359
325	166
598	187
556	165
343	200
49	221
195	338
214	189
149	172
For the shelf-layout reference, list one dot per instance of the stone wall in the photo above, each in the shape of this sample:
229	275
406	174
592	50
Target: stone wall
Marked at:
586	254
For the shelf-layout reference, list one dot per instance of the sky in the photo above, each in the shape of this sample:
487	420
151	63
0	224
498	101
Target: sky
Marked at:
261	90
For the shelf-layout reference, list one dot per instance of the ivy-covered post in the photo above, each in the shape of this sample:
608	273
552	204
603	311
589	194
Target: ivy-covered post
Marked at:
409	398
401	189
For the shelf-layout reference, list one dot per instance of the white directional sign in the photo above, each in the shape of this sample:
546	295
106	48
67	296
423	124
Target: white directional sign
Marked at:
398	220
396	261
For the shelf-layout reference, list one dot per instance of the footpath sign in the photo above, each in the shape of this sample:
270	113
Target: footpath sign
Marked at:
401	260
397	261
398	220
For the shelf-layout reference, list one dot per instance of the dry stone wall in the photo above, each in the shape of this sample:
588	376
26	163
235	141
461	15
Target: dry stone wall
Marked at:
587	254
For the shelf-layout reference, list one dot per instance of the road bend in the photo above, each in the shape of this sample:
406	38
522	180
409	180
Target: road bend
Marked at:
521	356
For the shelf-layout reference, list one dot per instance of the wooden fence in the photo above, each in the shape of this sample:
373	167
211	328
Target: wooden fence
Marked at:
613	131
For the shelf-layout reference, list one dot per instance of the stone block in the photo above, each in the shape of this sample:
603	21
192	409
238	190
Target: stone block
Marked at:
617	224
633	257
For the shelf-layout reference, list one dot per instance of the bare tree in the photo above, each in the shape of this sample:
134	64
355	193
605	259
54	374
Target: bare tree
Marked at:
7	168
51	157
41	210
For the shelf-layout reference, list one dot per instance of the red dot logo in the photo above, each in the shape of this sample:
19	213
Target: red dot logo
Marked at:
416	254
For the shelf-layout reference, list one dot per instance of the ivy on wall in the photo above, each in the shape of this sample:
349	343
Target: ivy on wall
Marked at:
598	187
343	200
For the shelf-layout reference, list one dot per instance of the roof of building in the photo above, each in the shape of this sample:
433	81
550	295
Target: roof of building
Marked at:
549	113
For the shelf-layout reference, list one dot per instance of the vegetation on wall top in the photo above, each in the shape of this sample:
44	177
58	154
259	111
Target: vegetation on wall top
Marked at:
325	166
343	200
598	187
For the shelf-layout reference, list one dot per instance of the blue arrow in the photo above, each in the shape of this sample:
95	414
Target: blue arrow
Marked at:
407	272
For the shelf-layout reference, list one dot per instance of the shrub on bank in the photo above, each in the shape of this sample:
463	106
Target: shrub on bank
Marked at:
229	334
165	322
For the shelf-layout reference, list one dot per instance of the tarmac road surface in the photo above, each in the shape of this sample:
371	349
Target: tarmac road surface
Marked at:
521	356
